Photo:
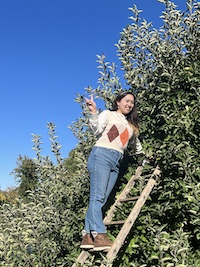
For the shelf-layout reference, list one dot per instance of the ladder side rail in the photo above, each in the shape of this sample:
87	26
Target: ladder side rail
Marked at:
81	258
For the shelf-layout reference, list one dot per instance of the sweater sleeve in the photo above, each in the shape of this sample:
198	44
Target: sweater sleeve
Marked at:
138	147
98	122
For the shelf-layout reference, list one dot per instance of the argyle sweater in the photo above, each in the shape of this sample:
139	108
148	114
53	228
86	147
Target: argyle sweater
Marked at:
113	131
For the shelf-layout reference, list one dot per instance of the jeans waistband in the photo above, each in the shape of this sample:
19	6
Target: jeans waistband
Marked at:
111	150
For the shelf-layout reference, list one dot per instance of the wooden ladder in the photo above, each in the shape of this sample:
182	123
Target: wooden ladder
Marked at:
128	223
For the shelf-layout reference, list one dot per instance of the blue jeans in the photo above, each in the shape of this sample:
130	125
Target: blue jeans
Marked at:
103	167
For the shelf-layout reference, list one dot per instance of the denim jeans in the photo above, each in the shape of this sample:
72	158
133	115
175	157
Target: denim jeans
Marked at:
103	167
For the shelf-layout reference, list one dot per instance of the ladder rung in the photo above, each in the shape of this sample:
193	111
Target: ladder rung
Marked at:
146	175
115	222
129	199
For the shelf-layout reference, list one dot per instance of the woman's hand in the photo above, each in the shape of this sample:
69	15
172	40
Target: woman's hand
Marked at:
91	105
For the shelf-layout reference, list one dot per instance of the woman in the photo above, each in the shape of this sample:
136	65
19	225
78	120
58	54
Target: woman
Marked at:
115	128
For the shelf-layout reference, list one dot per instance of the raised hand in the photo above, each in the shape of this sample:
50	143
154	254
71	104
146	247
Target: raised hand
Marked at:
91	104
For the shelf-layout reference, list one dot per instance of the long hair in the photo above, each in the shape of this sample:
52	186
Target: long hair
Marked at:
132	116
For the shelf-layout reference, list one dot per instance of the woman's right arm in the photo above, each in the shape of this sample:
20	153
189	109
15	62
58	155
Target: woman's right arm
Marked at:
98	122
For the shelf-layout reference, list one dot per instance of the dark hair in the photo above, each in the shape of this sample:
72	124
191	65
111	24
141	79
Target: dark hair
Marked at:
132	116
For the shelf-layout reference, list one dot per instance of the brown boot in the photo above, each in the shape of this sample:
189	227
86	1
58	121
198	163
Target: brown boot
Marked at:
102	242
87	242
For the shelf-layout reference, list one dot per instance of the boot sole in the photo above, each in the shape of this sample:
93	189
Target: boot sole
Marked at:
105	248
87	247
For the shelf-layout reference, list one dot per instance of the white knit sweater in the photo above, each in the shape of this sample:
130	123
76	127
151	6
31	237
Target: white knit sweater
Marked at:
114	131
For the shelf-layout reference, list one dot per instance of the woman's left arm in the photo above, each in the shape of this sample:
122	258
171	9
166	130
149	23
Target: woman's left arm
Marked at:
139	151
138	147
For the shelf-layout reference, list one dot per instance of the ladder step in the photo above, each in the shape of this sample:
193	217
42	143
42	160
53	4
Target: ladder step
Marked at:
129	199
121	221
115	222
145	176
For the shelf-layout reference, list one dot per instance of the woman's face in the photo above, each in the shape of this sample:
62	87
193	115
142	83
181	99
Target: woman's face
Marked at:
126	104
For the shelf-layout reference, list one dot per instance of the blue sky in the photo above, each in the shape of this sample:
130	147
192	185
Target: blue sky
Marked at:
48	53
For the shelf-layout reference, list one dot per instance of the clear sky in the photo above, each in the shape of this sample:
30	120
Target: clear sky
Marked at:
48	53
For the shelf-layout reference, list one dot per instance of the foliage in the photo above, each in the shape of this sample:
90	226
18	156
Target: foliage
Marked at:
9	196
162	68
26	175
45	229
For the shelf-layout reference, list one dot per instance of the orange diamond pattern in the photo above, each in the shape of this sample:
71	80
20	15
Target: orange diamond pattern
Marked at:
124	137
